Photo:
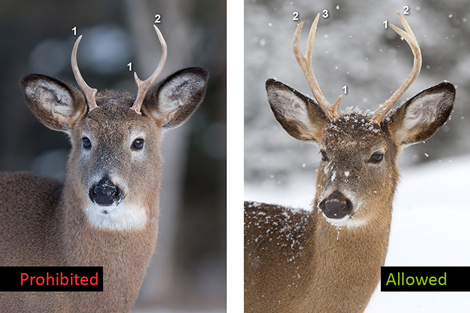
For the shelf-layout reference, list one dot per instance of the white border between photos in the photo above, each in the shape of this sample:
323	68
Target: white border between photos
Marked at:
235	124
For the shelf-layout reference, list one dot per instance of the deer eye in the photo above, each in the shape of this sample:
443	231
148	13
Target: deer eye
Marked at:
86	143
324	156
138	144
376	158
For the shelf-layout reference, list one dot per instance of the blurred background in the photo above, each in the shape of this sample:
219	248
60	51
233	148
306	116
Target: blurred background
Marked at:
352	48
188	272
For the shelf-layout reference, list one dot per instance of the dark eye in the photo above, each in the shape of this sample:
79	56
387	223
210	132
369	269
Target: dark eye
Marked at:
324	157
138	144
376	158
86	143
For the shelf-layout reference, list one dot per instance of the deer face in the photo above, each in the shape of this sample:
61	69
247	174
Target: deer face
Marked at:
358	171
115	165
116	162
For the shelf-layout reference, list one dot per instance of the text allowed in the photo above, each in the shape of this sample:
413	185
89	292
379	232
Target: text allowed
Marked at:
426	278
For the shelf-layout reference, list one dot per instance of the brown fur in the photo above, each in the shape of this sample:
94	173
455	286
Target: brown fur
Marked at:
43	221
297	261
52	231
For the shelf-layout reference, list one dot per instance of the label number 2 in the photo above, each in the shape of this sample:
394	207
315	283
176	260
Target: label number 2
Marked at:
158	18
406	10
296	16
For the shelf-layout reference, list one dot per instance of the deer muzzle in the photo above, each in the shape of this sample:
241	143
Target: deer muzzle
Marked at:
105	192
336	206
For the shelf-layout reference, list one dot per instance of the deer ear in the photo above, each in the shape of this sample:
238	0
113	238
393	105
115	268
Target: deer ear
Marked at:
174	101
421	116
54	103
299	115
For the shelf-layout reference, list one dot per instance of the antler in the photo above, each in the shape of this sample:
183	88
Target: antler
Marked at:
413	43
305	63
144	86
89	92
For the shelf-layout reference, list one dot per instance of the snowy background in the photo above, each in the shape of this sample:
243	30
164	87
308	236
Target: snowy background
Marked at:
352	47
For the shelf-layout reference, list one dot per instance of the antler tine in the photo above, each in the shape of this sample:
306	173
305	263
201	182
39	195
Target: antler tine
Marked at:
305	63
144	86
417	62
89	92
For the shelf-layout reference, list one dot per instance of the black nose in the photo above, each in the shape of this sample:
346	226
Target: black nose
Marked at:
105	192
336	206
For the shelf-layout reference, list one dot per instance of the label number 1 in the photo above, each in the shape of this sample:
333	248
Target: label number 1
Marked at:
74	31
345	89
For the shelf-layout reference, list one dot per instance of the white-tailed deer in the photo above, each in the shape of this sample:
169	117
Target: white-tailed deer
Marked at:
329	260
106	213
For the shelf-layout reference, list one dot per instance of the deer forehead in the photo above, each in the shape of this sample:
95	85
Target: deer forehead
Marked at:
353	132
111	121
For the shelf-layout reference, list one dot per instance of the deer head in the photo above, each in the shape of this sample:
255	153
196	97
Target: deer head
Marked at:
358	171
115	165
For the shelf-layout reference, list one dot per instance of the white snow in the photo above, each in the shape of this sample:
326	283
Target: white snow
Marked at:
430	227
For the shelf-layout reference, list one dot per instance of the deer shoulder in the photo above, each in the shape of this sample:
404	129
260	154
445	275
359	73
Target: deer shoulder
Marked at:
29	201
275	238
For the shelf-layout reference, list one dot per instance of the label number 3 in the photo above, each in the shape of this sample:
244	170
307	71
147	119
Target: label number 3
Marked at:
325	14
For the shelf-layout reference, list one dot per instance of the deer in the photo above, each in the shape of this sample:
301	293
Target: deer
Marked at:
106	212
329	259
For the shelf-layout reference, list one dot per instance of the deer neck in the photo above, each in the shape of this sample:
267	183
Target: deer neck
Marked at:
74	226
124	254
347	261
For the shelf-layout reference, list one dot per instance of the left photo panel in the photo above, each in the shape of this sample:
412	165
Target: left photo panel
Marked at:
113	156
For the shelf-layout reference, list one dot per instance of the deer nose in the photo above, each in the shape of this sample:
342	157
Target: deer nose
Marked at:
104	192
336	206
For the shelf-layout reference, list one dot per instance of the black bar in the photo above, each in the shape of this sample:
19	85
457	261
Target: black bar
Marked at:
51	278
425	278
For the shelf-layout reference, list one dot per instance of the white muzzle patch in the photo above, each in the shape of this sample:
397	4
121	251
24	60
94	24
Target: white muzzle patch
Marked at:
348	221
116	217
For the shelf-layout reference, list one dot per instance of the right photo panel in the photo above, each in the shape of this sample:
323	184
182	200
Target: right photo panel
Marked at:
357	156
